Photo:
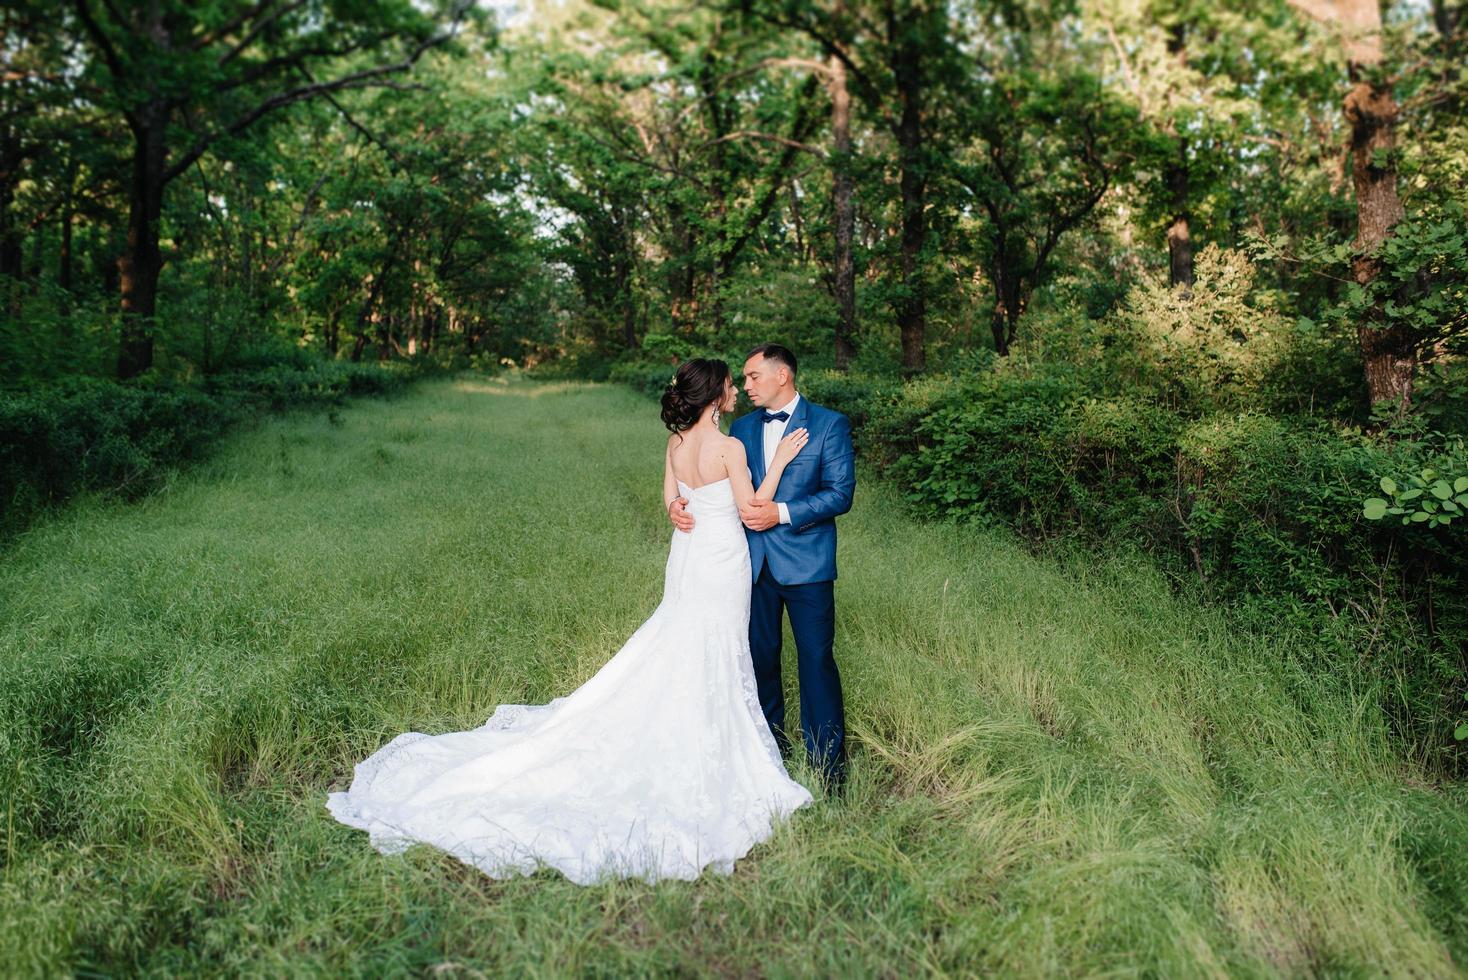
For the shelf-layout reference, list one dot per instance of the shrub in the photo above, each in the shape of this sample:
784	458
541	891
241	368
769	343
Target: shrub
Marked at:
88	434
650	378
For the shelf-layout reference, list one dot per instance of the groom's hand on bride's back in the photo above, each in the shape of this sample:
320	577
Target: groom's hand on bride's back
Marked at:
678	513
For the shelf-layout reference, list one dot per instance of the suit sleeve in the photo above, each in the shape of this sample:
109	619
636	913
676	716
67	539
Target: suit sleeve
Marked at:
838	480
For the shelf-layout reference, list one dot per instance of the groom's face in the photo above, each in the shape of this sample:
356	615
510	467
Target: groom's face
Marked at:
764	380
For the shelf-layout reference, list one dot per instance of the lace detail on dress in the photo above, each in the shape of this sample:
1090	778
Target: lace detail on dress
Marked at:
659	766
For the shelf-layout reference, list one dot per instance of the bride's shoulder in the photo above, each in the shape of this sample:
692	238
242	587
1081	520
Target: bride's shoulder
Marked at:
732	448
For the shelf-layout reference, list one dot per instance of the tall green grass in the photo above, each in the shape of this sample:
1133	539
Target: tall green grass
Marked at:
1059	768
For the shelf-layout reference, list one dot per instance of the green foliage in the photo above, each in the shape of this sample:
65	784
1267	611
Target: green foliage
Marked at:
89	435
1211	346
97	435
649	378
779	303
1037	453
1427	498
1061	769
1221	344
1421	285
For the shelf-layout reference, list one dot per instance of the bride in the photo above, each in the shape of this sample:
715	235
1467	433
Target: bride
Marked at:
657	767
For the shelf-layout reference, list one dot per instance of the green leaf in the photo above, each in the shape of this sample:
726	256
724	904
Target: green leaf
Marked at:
1373	509
1461	732
1388	485
1460	484
1441	490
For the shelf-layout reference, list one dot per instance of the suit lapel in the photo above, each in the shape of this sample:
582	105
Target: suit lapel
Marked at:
798	419
754	446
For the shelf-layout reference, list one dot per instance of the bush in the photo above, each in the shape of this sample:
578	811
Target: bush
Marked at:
284	386
89	434
1257	510
648	378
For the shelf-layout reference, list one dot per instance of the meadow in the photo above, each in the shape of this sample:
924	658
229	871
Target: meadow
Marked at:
1059	767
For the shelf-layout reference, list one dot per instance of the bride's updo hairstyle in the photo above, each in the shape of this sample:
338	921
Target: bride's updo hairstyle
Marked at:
698	383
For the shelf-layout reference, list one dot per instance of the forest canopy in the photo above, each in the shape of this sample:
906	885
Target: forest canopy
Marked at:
888	185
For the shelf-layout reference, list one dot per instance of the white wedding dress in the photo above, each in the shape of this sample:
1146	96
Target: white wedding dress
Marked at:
659	766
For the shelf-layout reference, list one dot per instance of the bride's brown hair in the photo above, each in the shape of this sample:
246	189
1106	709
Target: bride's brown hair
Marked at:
696	384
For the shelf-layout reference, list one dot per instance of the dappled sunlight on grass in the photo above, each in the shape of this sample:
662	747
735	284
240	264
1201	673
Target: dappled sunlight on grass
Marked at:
518	387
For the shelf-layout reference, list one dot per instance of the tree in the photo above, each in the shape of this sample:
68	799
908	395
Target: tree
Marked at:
1044	153
685	99
183	77
897	55
1389	350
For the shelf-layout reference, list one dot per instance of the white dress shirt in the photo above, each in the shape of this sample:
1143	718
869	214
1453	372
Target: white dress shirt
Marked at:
774	432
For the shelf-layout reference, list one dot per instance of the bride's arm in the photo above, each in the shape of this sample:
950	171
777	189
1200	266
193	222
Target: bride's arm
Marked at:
670	482
736	463
674	503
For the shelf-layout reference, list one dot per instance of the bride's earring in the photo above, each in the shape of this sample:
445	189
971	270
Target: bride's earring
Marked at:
716	415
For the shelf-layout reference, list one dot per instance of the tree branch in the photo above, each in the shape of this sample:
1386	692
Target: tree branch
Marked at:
771	137
257	28
209	37
271	65
100	38
361	79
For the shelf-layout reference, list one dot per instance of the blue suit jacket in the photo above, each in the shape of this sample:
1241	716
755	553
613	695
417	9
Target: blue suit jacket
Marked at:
816	486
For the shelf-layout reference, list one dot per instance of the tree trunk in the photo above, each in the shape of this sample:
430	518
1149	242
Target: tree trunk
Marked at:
1449	17
1179	240
1009	304
681	271
1176	176
141	261
622	271
911	304
1389	353
11	157
38	255
68	221
843	200
720	263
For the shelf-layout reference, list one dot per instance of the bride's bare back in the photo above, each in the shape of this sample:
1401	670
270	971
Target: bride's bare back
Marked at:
705	454
700	456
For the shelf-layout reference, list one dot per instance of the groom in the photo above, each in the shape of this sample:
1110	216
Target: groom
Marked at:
792	551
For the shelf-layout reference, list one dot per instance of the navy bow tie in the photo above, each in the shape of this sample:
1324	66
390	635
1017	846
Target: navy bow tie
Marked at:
776	416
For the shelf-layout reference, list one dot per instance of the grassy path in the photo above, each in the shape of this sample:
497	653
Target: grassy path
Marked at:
1060	769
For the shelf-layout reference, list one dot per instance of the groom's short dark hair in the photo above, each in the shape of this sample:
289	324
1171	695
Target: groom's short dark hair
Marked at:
774	352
